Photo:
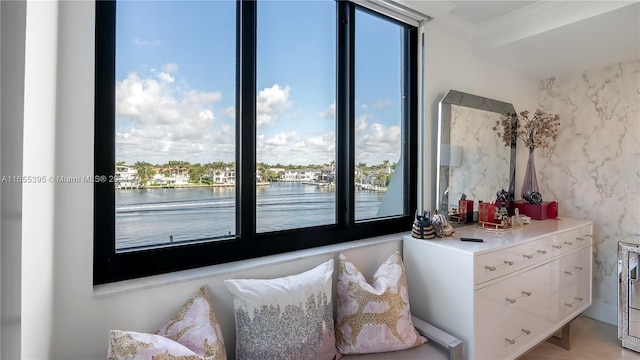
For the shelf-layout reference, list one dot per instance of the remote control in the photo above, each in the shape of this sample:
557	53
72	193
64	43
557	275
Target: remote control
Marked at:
471	239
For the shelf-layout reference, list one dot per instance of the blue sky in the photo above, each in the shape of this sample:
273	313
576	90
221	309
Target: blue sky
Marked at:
175	83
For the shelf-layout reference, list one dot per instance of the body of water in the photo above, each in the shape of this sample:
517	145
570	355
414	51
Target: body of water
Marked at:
159	216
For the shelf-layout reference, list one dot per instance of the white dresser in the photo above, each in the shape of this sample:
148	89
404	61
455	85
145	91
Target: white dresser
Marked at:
505	295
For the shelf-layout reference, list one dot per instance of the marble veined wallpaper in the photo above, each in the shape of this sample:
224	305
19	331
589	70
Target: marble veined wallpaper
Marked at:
593	170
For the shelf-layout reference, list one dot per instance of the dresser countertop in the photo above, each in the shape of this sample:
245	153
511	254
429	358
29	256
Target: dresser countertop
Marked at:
494	240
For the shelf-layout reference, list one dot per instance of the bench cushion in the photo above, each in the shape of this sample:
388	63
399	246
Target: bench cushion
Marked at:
426	351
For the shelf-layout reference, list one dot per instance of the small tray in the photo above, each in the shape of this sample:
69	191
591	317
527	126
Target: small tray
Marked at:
489	226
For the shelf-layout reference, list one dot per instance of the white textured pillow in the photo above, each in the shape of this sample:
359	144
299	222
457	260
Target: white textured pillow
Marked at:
285	318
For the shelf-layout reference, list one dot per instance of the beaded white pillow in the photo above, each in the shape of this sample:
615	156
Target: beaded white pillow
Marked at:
285	318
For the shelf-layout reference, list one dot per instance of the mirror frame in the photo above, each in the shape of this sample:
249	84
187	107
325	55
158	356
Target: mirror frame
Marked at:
454	97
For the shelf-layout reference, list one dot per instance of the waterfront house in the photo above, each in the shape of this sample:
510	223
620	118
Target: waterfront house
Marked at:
578	58
223	176
126	177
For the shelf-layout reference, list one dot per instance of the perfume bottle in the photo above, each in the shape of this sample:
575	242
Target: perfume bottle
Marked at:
503	214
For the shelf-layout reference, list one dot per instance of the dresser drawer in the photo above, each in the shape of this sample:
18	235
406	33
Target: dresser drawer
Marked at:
573	267
569	301
509	334
573	280
570	240
498	263
518	309
526	292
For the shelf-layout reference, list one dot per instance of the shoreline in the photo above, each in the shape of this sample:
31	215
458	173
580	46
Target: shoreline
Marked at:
187	186
320	186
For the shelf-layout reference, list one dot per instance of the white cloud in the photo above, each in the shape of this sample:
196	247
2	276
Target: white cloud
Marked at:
281	139
381	104
146	43
229	112
361	122
171	68
381	134
157	121
380	143
166	77
272	102
329	113
296	148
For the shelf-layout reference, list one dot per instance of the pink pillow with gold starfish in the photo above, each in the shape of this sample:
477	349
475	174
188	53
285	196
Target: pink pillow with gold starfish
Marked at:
374	317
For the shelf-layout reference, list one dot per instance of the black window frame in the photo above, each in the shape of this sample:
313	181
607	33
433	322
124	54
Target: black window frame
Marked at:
110	265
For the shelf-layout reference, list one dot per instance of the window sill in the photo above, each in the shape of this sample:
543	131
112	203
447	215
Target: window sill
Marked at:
149	282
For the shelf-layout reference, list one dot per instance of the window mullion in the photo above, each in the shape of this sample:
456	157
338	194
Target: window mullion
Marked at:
246	120
409	116
345	114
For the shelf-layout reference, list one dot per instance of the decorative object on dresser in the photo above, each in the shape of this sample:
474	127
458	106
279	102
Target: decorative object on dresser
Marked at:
542	211
523	285
535	132
422	227
466	120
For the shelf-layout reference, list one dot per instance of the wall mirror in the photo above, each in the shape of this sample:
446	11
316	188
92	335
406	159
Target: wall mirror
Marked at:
472	159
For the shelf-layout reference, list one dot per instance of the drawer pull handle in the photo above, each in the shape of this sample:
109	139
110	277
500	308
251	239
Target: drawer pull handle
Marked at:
578	268
493	268
575	300
538	252
580	239
524	293
523	332
589	236
568	243
557	246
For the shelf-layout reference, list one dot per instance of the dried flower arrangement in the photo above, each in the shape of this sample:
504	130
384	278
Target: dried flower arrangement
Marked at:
535	132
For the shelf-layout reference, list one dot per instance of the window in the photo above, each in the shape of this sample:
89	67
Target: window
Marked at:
232	130
296	114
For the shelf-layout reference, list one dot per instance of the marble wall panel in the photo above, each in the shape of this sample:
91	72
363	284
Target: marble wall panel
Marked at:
593	170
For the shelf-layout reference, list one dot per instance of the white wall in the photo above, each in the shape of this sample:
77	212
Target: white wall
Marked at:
11	75
451	64
63	316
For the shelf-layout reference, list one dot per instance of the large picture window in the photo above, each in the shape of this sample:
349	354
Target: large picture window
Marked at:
232	130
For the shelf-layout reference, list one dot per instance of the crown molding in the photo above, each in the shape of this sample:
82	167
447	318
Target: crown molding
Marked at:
538	18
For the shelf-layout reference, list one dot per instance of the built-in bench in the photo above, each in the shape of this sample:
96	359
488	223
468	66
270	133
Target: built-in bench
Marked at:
367	254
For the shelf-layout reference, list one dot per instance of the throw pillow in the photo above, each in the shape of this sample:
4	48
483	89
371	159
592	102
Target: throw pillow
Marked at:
374	317
285	318
130	345
196	327
192	334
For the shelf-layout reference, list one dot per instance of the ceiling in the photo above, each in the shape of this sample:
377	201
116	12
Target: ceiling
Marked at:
542	39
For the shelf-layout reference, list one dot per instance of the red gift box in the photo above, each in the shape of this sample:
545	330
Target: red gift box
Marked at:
465	210
486	212
544	210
